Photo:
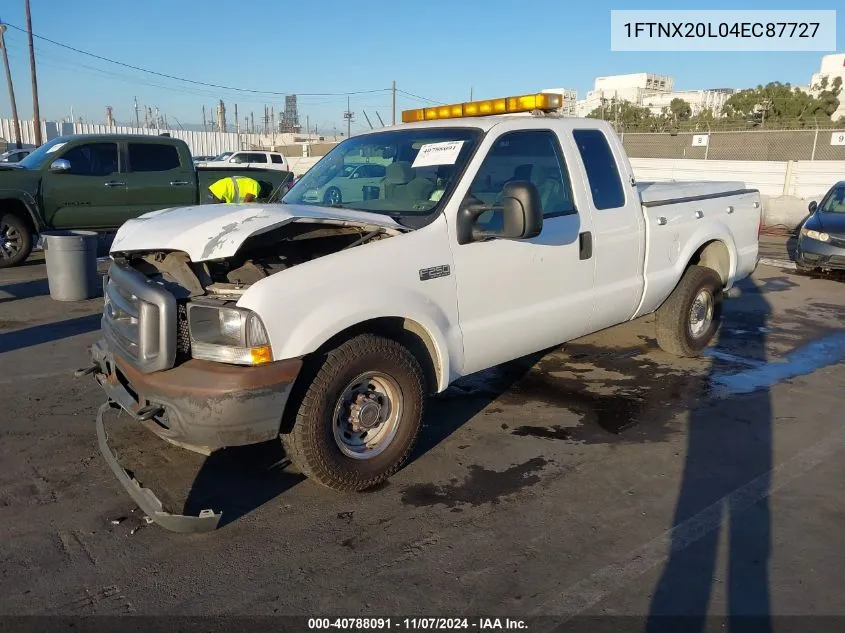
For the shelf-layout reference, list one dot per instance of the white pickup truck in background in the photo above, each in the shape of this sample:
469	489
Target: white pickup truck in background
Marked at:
489	238
248	160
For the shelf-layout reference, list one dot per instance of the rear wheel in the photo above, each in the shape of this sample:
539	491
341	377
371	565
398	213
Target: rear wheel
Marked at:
15	240
360	416
688	320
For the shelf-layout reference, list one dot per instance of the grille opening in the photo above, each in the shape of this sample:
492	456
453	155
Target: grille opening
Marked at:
183	334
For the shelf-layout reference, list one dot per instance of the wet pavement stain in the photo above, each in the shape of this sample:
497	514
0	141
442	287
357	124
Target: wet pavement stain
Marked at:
481	486
556	432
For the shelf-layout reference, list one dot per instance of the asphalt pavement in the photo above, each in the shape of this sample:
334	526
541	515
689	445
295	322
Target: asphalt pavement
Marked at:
604	477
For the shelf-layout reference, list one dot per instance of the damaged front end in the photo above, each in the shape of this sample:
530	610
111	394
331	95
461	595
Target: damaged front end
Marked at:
182	359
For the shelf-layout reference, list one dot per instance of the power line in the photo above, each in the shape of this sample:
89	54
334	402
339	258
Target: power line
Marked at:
192	81
411	94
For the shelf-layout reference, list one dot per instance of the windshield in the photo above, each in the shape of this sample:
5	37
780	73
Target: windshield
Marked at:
223	156
401	173
835	201
34	160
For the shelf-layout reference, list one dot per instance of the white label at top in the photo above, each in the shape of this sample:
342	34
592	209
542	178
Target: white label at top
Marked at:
837	138
445	153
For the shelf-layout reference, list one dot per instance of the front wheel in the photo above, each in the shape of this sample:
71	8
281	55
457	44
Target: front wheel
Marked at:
332	196
15	240
688	320
360	415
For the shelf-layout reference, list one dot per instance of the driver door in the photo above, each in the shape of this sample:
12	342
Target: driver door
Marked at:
516	297
93	194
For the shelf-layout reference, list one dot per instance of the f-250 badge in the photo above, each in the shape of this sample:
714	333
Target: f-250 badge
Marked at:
434	272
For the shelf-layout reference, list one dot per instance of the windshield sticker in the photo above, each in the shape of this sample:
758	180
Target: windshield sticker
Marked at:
56	147
445	153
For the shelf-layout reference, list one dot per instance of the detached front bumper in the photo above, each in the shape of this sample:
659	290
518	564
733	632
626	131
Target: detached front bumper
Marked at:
199	405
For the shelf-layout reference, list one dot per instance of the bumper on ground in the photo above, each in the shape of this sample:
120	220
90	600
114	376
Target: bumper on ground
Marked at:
199	405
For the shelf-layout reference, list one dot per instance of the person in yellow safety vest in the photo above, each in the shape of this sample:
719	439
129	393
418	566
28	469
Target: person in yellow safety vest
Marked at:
234	189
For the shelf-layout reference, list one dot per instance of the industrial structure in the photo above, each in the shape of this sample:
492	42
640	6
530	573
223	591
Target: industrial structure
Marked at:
289	121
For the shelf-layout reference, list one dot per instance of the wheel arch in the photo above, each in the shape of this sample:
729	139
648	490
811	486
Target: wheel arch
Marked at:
716	255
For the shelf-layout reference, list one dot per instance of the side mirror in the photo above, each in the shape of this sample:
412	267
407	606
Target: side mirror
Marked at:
522	215
812	206
60	166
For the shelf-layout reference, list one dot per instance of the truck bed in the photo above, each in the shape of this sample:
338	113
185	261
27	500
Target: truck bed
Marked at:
684	215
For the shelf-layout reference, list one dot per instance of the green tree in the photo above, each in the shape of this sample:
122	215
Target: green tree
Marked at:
626	113
680	109
783	103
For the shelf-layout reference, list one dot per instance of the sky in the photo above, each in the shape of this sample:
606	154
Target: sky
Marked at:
437	50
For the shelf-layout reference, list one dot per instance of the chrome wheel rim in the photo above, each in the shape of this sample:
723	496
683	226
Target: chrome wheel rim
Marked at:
366	416
11	241
701	313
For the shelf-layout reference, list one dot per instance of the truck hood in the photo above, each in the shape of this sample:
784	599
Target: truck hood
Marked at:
217	231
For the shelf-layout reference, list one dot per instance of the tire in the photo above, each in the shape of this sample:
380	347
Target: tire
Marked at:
332	196
15	240
319	446
678	331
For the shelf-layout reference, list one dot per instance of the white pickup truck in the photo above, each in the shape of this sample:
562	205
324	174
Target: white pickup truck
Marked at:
489	238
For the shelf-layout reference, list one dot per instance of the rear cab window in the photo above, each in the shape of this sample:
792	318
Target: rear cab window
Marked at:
602	171
152	157
276	158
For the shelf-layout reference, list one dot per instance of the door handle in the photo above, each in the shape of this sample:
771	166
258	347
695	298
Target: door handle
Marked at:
115	183
585	245
661	220
699	214
179	183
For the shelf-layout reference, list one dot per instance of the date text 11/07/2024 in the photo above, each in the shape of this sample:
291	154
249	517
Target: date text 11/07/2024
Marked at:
428	624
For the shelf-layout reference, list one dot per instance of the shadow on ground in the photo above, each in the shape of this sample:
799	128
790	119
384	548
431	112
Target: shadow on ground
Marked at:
25	290
44	333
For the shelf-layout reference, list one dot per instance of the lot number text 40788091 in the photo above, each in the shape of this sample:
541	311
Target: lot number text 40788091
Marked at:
426	624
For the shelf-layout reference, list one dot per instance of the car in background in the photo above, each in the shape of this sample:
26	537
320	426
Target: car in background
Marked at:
15	155
202	159
99	181
821	241
250	160
347	184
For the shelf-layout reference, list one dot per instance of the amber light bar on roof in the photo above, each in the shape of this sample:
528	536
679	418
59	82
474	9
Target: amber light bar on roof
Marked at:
507	105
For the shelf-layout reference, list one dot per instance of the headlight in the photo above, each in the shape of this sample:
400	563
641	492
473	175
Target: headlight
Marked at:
228	335
815	235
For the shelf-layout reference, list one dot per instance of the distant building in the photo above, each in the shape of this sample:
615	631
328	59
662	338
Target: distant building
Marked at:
654	92
570	99
832	66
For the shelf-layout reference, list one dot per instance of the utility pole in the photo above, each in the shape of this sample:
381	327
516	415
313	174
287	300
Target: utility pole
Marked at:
138	120
394	102
308	125
237	120
470	93
252	122
204	127
15	120
36	114
348	116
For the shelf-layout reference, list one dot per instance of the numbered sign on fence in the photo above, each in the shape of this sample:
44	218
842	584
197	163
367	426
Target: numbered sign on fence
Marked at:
837	138
700	140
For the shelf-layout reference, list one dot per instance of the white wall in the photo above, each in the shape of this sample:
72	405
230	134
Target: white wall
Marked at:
802	179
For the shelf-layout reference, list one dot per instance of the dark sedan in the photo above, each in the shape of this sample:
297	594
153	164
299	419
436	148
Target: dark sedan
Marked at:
821	243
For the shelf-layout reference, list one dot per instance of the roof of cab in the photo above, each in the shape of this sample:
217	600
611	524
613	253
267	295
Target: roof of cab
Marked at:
117	137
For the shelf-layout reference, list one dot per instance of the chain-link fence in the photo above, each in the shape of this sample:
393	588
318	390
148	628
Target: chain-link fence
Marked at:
774	145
